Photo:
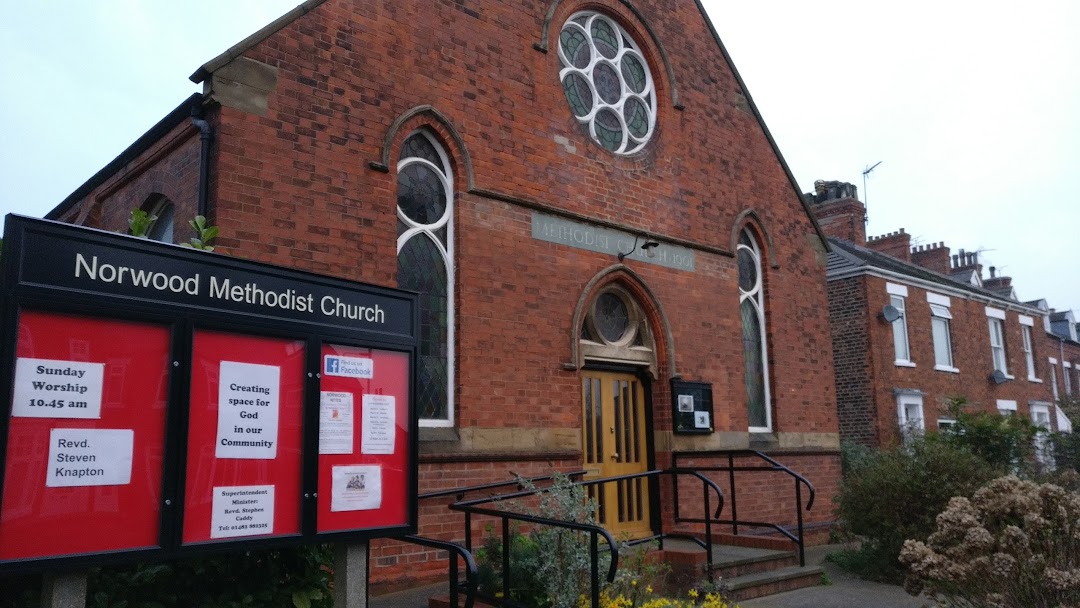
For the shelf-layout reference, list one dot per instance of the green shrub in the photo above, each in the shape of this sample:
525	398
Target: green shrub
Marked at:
853	455
280	578
1065	450
895	495
550	566
1006	443
1014	543
297	577
526	586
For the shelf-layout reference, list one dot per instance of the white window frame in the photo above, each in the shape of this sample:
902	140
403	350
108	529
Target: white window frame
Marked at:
414	230
1006	407
909	427
898	299
756	296
941	316
1029	352
1053	378
1065	367
1042	440
998	352
945	423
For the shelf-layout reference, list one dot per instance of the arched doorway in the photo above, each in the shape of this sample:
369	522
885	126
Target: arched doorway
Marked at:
619	355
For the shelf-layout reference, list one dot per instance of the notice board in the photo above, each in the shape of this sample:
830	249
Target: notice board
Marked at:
86	436
244	454
363	438
157	401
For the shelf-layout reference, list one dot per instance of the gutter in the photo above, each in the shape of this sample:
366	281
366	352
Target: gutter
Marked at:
932	286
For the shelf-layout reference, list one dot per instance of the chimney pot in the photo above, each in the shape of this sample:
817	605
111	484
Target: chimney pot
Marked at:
992	269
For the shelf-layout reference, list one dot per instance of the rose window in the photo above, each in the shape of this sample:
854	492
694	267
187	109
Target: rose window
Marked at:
607	82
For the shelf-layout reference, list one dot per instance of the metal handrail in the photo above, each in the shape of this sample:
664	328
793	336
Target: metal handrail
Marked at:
456	550
471	507
731	469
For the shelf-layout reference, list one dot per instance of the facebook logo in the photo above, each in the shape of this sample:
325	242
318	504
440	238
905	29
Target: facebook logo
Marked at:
349	367
333	365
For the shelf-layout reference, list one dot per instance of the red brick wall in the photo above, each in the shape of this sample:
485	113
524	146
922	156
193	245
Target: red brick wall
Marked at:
971	355
849	316
169	167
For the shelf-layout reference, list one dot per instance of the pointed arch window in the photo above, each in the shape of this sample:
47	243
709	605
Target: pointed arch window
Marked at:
425	247
755	349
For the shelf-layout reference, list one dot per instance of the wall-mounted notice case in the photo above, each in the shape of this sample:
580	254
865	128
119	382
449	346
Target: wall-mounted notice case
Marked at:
692	405
157	401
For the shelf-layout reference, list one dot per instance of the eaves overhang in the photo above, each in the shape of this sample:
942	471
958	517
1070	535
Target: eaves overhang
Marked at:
963	294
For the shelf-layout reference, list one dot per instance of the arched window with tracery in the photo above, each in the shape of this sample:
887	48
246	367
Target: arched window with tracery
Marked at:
755	349
425	247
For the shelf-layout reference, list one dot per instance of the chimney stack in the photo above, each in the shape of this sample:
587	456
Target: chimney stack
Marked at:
838	211
934	256
895	244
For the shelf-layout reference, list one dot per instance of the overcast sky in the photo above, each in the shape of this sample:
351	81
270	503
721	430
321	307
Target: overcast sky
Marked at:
973	109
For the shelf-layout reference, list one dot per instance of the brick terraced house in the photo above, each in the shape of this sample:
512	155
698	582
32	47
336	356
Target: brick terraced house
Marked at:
590	205
913	327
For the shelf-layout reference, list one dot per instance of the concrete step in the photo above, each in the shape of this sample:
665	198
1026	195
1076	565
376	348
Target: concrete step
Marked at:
728	560
759	584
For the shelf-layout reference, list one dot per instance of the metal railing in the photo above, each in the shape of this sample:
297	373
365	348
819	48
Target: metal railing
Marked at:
769	466
481	507
485	507
455	550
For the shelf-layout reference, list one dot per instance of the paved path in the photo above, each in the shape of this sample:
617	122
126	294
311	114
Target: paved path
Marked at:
846	591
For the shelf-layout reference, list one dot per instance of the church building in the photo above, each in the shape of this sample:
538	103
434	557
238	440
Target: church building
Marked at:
616	267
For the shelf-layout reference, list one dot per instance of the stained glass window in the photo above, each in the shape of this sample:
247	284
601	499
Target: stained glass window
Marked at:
752	313
425	254
607	82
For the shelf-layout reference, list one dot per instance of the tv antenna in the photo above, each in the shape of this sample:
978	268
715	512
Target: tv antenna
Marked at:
866	195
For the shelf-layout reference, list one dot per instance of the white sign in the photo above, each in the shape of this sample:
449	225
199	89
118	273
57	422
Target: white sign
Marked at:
242	511
701	420
248	396
89	457
349	367
356	488
686	403
49	388
378	428
335	423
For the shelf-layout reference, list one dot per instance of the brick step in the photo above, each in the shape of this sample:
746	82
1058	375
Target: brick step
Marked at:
759	584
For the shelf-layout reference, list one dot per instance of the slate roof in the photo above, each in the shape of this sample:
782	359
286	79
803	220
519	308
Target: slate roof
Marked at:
846	256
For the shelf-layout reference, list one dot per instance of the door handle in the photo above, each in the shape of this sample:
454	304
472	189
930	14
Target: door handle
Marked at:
615	456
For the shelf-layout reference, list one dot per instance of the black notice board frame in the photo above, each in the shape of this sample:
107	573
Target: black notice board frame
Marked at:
690	401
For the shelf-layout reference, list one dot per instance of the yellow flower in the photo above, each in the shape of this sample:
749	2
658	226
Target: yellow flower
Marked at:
693	593
648	588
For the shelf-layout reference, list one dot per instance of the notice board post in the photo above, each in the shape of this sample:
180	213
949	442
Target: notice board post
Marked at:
161	402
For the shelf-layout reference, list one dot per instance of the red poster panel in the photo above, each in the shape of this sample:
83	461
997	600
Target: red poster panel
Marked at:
363	472
244	438
68	485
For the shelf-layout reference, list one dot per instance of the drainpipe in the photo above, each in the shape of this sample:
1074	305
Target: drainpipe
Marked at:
206	135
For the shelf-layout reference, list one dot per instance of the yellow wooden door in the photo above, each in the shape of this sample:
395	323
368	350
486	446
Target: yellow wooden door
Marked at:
614	441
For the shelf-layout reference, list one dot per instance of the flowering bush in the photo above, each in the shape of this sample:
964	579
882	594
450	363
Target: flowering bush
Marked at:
1014	543
648	599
